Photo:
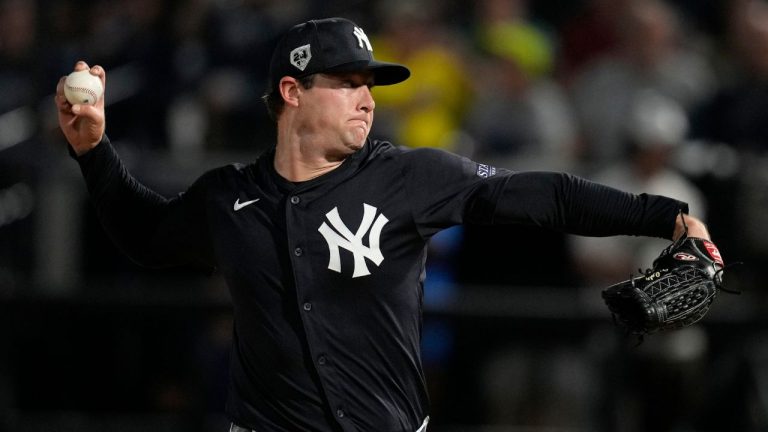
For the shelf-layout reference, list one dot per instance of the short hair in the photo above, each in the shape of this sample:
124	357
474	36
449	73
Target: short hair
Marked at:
275	102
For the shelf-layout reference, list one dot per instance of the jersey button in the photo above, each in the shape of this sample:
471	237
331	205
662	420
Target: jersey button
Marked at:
295	199
340	413
321	360
307	306
298	252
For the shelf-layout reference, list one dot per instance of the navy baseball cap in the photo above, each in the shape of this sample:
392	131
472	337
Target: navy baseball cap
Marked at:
326	46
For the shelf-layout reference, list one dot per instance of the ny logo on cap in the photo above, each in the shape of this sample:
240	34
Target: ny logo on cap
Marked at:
362	39
300	57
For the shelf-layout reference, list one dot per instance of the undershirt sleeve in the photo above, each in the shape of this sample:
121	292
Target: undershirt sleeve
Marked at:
574	205
150	229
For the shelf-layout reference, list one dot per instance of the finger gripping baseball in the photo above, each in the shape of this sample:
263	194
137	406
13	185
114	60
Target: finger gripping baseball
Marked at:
676	292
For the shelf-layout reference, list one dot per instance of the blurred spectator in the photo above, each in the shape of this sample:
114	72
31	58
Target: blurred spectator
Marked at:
504	28
18	54
589	35
652	55
521	119
239	37
428	107
654	129
738	113
736	118
20	161
524	119
129	38
20	77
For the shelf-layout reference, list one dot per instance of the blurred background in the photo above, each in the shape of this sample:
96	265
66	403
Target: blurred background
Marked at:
668	97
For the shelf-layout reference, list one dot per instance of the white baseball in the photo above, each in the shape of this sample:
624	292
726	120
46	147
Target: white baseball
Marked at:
81	87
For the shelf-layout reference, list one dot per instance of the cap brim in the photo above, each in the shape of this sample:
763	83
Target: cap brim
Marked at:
383	73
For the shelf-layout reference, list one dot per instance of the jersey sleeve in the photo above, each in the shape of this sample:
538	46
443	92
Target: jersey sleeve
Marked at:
150	229
446	189
576	205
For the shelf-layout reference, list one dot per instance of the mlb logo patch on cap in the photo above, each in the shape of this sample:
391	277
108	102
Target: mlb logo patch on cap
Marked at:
301	56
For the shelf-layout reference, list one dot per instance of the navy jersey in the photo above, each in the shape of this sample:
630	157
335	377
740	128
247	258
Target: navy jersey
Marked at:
326	275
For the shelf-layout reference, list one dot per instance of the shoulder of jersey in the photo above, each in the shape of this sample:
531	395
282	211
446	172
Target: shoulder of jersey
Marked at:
386	149
227	173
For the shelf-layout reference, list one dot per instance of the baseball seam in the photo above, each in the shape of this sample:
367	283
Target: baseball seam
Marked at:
83	89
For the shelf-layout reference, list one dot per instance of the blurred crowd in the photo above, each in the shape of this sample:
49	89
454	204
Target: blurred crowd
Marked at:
667	97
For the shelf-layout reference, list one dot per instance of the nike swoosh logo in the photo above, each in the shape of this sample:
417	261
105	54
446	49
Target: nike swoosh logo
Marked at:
238	205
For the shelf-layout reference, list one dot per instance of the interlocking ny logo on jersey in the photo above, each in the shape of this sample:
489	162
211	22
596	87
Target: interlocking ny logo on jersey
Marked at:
342	237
